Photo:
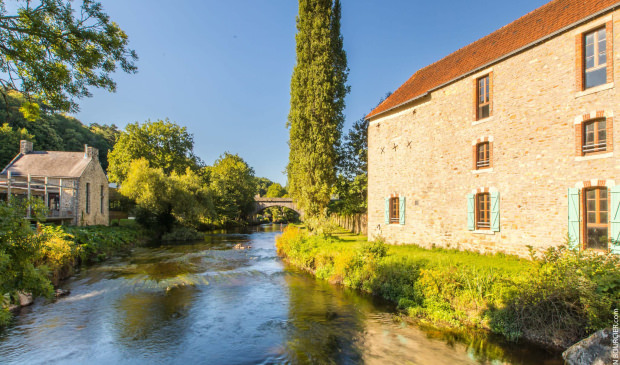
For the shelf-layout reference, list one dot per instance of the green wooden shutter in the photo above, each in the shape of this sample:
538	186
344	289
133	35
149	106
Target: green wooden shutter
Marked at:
494	211
471	211
573	217
387	210
614	219
401	210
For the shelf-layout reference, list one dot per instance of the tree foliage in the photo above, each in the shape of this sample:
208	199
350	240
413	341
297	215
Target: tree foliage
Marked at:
53	53
20	248
318	88
262	184
51	132
162	143
234	186
276	190
352	184
163	199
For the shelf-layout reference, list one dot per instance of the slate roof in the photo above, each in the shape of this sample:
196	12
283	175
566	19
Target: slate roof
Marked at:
540	23
48	163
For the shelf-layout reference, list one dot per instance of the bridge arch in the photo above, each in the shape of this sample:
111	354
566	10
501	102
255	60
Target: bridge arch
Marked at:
263	203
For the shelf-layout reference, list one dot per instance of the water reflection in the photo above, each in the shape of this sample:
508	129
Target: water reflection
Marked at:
207	303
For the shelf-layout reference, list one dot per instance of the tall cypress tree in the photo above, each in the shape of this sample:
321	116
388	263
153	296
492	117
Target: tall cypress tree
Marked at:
318	89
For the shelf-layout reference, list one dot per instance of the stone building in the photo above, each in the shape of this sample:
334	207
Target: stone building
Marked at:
507	142
73	185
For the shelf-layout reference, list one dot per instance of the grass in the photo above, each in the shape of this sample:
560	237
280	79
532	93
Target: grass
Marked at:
555	300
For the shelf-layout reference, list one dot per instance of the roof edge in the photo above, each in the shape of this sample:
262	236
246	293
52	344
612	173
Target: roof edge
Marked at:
506	56
19	155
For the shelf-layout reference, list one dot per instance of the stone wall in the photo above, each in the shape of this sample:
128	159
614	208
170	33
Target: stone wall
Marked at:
424	151
94	175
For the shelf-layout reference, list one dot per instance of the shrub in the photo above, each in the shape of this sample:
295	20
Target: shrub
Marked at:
568	296
556	299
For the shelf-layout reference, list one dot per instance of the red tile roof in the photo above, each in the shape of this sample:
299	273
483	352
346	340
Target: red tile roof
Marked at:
542	22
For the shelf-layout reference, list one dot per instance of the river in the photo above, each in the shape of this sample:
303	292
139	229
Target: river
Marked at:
209	303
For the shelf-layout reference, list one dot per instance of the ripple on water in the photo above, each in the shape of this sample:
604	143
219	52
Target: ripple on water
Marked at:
205	302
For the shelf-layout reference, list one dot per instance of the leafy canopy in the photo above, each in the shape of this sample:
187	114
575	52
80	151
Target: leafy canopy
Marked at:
234	186
318	89
164	199
53	53
162	143
51	132
276	190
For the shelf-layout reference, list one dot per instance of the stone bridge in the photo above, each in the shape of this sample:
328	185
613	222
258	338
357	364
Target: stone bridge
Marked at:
262	203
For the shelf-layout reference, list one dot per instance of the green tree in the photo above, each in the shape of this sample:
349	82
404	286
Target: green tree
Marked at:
318	89
234	186
20	248
275	191
352	184
262	184
9	142
54	132
163	144
52	53
164	199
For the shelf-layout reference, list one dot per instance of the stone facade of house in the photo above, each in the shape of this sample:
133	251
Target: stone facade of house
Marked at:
73	184
424	151
98	195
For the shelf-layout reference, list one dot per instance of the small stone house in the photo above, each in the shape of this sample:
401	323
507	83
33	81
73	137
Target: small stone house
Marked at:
73	185
507	142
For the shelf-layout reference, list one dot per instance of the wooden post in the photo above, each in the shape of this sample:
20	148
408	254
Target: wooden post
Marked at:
60	197
8	193
75	201
28	209
47	205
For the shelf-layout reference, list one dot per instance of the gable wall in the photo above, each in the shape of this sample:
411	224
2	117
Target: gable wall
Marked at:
534	110
94	175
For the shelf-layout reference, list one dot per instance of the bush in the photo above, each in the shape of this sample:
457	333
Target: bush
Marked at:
182	234
554	300
567	297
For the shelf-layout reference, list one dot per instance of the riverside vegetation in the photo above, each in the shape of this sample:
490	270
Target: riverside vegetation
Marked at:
34	259
554	300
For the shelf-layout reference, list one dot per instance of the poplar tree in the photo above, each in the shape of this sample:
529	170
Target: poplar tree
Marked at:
318	89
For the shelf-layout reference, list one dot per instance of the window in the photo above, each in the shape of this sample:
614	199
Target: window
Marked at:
87	198
483	211
595	58
594	136
596	218
394	211
101	199
483	97
482	155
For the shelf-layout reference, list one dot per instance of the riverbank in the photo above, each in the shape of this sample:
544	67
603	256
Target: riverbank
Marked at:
53	254
553	300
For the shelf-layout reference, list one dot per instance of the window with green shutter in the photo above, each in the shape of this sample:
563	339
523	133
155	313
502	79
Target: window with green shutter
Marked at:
471	212
574	224
401	210
387	211
494	211
614	219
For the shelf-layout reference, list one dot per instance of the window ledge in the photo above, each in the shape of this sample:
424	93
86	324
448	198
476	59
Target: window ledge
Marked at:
480	121
483	231
594	157
482	171
595	89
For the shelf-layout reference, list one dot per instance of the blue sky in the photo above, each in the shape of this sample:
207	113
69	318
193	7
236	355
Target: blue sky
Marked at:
223	68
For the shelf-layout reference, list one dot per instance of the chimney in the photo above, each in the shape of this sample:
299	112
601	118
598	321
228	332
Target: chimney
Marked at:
25	147
91	152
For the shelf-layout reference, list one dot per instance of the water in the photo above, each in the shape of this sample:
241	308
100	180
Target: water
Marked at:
208	303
